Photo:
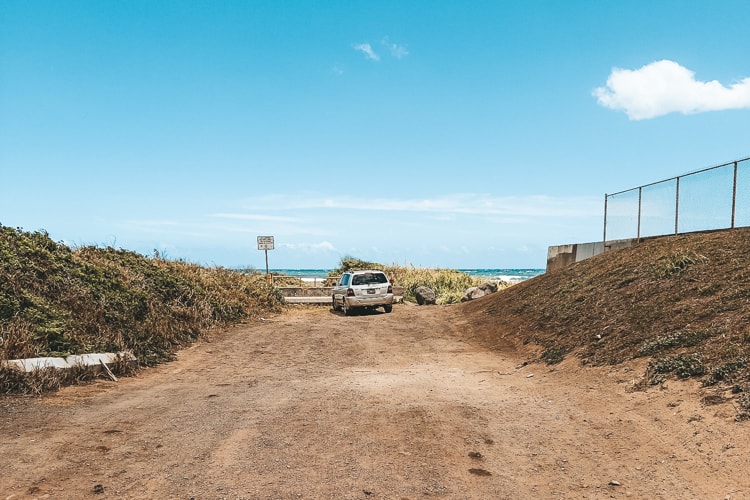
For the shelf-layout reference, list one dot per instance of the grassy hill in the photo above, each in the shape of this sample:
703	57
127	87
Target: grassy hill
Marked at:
683	302
56	301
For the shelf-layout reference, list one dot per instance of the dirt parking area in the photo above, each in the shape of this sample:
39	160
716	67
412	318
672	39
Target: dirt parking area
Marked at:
312	404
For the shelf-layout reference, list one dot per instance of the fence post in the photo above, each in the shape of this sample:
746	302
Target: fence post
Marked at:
640	198
677	207
734	193
604	243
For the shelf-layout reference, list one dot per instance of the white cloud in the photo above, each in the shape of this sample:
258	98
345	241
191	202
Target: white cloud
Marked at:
397	51
323	246
664	87
467	203
366	49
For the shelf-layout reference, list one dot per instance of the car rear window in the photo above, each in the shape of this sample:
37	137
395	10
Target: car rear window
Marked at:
369	279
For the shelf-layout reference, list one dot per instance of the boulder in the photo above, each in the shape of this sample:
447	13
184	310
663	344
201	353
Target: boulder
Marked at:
473	293
476	292
424	295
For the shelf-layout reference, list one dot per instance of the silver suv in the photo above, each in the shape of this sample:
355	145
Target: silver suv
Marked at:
362	290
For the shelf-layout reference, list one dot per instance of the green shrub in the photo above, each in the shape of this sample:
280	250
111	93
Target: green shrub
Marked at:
724	371
743	402
449	284
678	339
56	301
349	263
553	355
683	365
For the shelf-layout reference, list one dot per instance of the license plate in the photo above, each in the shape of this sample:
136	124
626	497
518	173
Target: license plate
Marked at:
372	290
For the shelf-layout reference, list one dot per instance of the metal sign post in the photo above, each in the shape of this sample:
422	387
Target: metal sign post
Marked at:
265	243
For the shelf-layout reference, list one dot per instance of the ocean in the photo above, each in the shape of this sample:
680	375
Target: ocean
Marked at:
509	275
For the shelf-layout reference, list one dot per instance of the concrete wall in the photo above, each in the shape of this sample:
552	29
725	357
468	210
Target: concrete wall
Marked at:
561	256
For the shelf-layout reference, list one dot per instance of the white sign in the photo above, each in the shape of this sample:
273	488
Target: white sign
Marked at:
265	242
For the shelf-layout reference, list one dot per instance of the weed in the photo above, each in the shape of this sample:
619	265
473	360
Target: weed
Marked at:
675	264
677	339
743	402
553	355
723	372
683	365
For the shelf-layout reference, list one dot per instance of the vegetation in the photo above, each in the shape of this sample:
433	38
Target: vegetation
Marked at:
682	365
682	300
553	355
56	301
743	401
660	343
349	263
449	284
725	372
675	264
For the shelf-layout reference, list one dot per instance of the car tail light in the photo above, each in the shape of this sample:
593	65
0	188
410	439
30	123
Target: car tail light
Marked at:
390	288
349	292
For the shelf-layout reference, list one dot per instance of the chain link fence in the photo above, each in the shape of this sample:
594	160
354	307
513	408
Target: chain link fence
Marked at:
712	198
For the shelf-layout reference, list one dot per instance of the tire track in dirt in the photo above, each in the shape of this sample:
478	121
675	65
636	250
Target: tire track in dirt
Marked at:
312	404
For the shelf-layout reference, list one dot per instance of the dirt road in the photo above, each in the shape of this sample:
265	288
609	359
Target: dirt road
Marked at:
312	404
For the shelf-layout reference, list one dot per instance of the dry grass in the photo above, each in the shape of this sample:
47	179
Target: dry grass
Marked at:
685	300
56	301
449	284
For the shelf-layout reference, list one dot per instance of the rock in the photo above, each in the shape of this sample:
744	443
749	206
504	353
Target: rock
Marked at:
425	296
472	293
480	472
476	292
614	483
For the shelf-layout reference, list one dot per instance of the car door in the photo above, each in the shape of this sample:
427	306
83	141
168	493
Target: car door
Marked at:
339	292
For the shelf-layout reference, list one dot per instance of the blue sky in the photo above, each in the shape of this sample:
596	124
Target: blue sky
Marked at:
435	133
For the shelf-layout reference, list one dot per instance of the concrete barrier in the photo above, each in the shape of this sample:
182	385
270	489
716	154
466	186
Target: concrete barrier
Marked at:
72	361
320	295
306	291
561	256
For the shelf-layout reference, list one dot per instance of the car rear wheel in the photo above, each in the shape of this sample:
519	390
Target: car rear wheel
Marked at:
347	310
388	308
